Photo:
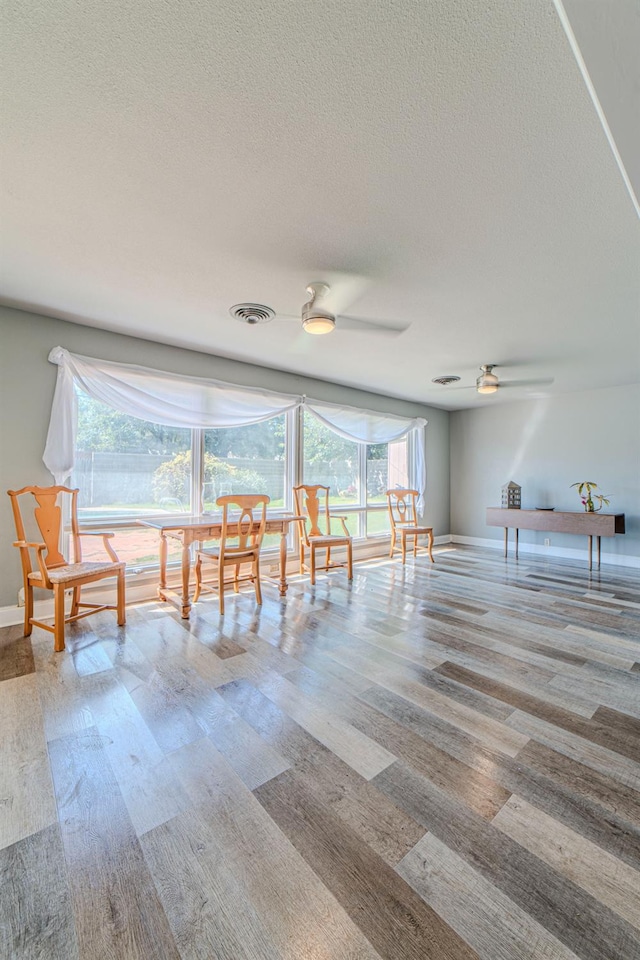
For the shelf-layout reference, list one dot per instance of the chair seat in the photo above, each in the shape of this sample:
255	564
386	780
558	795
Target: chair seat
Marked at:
229	554
413	530
73	571
330	538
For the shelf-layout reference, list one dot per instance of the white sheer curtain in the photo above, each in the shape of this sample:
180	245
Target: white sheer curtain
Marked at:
365	426
193	402
152	395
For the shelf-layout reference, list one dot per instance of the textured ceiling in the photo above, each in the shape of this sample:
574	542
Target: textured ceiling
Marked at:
164	160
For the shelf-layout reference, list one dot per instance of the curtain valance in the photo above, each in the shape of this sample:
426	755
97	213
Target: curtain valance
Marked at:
197	403
365	426
153	395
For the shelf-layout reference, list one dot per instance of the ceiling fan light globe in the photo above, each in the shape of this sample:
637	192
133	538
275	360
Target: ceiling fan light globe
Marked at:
487	383
318	325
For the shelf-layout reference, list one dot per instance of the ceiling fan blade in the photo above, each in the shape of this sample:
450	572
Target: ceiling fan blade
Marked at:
526	383
360	325
503	383
345	289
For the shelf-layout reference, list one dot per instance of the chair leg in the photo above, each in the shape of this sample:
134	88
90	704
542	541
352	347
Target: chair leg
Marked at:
403	536
122	619
313	564
393	543
415	545
301	558
236	576
75	603
256	582
58	617
328	557
430	545
221	587
198	589
349	561
28	609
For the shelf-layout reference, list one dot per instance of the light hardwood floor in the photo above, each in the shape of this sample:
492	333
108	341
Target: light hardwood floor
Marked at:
432	763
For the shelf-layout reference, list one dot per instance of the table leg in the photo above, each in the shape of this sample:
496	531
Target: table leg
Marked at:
506	541
163	566
186	573
517	532
590	551
598	551
282	586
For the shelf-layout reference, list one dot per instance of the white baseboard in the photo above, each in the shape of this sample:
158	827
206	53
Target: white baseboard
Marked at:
566	553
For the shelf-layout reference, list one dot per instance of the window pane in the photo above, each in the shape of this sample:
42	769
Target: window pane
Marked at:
128	467
331	461
386	469
247	459
377	522
351	520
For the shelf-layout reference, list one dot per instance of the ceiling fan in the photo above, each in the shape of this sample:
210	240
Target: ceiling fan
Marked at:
316	316
488	381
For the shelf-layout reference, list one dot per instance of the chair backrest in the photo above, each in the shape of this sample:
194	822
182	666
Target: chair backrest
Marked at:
402	507
47	513
312	502
248	527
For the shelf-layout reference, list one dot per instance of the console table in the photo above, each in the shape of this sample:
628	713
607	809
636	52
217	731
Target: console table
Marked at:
556	521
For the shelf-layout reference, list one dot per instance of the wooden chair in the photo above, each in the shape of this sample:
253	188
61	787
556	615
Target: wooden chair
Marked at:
404	522
248	530
314	505
53	571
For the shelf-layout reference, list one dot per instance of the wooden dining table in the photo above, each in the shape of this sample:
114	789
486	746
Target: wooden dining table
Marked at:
188	529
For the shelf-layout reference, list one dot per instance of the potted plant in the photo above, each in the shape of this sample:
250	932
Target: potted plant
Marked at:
585	492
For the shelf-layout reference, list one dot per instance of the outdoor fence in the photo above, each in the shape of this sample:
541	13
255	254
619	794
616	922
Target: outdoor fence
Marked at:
107	479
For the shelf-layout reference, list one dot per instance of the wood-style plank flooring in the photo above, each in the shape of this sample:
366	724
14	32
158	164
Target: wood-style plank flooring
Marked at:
432	763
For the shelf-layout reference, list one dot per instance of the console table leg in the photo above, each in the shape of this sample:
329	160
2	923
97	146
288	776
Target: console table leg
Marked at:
282	585
590	551
598	551
163	567
506	541
517	532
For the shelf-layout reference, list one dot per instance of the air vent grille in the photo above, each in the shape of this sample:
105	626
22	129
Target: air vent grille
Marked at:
446	380
252	313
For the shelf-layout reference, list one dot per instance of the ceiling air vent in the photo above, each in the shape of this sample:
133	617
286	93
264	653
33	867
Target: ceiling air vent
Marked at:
252	313
445	381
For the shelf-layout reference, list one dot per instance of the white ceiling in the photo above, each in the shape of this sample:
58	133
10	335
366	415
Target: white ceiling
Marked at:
165	160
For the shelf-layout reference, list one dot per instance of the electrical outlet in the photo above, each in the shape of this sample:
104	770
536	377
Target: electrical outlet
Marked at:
547	542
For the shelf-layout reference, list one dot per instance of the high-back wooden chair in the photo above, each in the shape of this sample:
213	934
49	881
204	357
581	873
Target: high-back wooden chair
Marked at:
312	502
240	542
51	570
403	516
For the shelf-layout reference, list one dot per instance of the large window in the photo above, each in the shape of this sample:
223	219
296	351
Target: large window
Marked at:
359	475
127	468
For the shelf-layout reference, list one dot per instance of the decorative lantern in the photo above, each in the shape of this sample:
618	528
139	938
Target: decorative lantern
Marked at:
511	496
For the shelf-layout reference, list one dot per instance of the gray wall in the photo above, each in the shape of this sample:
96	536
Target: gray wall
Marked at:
545	446
27	382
